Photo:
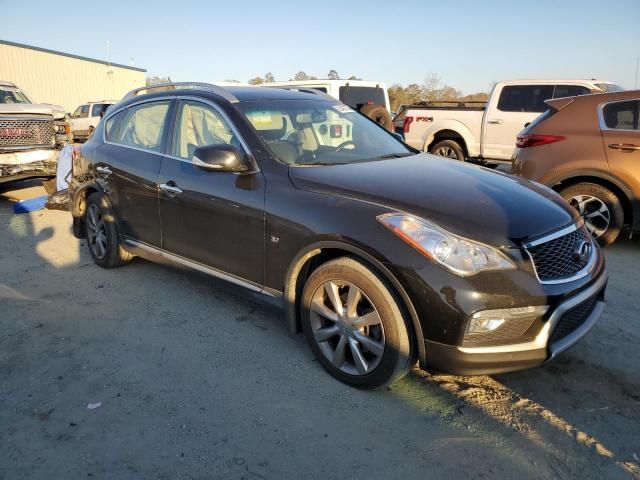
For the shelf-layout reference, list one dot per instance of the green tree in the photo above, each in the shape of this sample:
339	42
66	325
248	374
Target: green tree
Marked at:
301	76
269	78
333	75
256	81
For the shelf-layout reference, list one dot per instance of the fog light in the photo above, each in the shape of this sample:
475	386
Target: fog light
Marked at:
489	320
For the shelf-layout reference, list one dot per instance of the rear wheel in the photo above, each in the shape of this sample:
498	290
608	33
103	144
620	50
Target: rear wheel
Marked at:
449	149
600	208
102	233
354	325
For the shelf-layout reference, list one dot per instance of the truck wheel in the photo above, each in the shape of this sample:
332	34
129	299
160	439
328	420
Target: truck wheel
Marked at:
380	115
449	149
600	208
354	325
102	235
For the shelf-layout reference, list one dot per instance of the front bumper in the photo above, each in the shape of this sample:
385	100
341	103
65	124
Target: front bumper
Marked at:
460	360
28	164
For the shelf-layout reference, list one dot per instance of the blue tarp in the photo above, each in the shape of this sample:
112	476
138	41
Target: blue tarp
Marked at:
30	205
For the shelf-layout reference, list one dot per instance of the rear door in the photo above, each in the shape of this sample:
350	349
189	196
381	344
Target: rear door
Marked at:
619	124
128	165
516	106
213	218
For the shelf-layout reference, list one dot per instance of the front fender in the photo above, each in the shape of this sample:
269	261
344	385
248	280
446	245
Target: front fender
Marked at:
293	285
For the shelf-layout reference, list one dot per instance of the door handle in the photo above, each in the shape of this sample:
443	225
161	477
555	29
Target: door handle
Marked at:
628	147
496	121
170	188
104	170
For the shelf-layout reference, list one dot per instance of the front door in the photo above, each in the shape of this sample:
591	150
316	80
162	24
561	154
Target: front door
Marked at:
128	165
213	218
619	122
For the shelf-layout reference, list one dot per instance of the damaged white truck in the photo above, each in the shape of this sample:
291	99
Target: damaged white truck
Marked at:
31	136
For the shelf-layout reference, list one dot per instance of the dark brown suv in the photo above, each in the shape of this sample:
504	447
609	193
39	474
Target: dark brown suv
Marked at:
588	149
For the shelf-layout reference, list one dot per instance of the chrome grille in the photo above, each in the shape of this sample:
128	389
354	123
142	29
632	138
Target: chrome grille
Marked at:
556	259
37	133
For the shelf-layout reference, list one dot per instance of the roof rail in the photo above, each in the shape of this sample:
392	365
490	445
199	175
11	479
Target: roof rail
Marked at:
301	89
161	87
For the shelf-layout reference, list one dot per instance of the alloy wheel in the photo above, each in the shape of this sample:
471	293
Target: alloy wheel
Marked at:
595	213
347	327
448	152
96	231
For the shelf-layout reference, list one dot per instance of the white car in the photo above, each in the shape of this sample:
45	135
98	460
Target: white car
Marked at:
487	131
87	116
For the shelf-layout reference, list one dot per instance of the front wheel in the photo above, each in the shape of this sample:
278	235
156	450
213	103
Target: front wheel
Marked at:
600	208
448	149
354	325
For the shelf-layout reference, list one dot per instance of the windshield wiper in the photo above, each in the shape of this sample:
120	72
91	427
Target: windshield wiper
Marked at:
395	155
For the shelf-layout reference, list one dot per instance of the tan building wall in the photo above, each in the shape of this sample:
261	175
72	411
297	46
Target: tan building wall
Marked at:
63	79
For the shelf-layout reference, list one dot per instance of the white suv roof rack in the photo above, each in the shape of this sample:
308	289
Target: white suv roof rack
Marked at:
218	90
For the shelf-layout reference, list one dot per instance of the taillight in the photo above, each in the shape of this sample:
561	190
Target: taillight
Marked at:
535	140
407	124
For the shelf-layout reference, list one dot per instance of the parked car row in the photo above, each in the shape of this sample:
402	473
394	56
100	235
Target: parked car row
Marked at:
382	255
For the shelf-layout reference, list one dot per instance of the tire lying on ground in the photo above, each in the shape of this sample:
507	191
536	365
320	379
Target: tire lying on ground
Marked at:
380	115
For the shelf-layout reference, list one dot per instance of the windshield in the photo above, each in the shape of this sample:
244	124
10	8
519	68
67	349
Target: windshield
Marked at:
10	94
320	132
609	87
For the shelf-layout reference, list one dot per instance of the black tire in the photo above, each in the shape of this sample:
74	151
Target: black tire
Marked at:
110	254
49	186
448	149
380	115
396	357
577	195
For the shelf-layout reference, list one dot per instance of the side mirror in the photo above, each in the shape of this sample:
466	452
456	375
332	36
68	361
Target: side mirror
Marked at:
220	158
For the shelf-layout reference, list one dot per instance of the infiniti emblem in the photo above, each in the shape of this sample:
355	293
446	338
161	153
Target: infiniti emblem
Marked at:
581	250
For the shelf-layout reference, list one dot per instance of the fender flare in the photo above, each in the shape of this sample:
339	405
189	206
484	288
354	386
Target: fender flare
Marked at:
79	193
633	200
453	125
310	251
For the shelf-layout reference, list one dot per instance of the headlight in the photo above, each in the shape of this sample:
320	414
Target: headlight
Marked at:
62	128
459	255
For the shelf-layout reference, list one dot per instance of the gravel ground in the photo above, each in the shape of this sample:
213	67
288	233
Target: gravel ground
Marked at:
196	378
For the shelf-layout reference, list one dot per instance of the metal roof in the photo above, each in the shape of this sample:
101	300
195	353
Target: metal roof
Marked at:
70	55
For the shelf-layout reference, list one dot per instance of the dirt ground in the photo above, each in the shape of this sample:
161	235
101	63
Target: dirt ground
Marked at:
196	378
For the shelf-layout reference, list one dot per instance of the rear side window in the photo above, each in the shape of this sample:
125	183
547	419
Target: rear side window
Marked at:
98	109
562	91
81	112
621	115
525	98
111	127
142	126
357	97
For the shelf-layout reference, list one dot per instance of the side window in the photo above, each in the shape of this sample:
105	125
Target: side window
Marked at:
525	98
198	124
621	115
84	111
96	109
76	114
111	127
569	91
142	126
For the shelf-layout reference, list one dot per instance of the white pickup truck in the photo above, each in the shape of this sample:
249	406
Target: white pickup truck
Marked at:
486	131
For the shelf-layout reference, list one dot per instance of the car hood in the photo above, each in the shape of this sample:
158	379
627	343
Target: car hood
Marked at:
56	111
475	202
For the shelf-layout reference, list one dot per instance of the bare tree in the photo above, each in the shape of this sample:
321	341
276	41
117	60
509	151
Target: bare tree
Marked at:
269	78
